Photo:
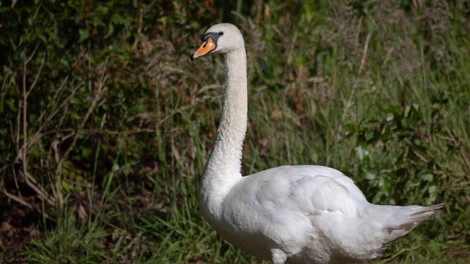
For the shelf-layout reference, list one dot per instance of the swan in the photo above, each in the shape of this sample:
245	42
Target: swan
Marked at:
287	214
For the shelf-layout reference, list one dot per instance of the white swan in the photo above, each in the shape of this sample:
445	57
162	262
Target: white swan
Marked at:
294	214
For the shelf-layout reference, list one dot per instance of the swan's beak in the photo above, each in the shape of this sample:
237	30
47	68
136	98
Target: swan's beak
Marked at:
206	47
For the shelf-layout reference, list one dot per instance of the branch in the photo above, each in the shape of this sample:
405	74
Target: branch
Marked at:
97	97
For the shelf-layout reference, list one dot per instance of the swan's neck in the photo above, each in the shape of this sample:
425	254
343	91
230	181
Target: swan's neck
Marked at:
223	167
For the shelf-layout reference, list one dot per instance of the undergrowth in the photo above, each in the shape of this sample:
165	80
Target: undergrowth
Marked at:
106	127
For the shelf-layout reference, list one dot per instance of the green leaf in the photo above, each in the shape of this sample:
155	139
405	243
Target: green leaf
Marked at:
84	34
361	152
115	167
427	177
110	30
370	175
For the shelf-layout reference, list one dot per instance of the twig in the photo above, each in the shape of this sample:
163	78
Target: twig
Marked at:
31	182
354	87
286	138
23	202
51	113
90	110
61	108
33	85
401	252
462	150
17	199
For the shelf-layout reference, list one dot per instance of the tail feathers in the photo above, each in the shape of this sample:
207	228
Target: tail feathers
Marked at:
426	213
397	221
410	217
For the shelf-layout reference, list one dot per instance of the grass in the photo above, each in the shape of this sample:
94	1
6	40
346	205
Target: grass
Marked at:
379	91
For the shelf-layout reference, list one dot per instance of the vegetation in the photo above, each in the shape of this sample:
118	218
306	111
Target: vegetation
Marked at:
106	127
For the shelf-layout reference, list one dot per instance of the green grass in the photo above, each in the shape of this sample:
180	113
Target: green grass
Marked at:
377	90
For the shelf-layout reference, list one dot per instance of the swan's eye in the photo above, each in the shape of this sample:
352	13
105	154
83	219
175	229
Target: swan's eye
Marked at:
221	33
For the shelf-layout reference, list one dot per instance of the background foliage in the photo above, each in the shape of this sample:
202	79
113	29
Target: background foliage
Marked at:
105	125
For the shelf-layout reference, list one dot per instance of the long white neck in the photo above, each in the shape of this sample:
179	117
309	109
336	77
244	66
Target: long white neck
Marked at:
222	170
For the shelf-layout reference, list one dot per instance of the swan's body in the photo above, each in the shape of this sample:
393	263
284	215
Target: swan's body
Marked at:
294	214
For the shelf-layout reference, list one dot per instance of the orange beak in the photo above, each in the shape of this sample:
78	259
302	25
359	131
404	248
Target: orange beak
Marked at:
206	47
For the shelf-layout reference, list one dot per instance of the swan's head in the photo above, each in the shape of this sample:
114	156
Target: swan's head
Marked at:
220	38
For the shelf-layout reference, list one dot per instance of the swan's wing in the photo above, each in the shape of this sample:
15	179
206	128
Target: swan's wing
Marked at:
318	208
281	203
310	189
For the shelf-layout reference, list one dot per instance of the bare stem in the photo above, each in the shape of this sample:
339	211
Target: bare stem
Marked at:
354	87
